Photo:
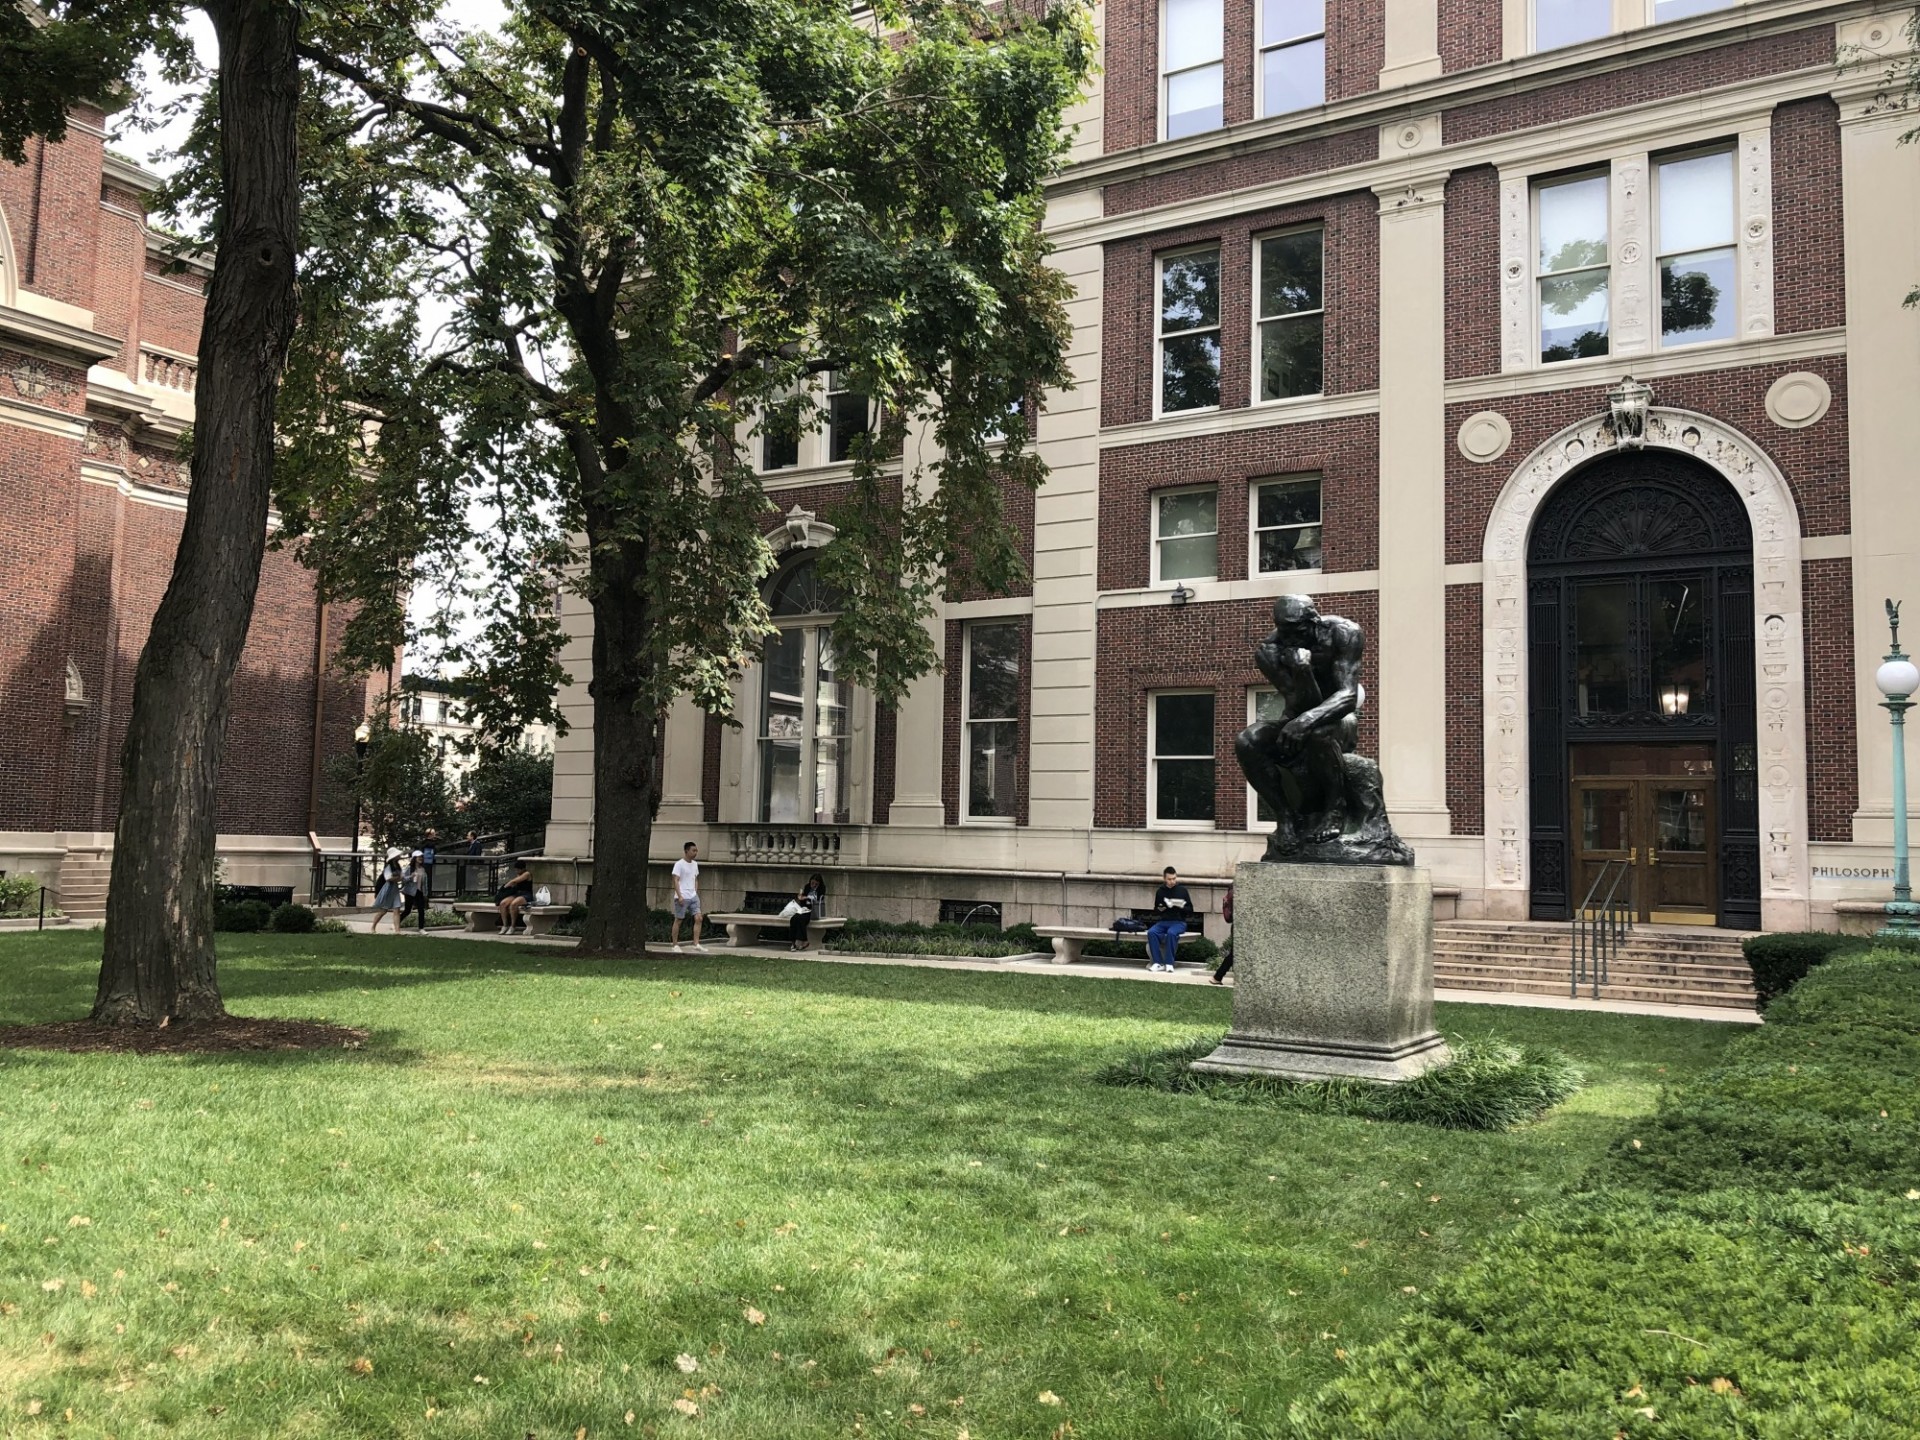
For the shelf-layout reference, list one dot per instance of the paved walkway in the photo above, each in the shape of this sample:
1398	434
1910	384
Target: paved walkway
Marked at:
1187	974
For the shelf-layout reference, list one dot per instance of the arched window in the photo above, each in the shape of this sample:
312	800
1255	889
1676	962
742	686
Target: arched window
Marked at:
805	707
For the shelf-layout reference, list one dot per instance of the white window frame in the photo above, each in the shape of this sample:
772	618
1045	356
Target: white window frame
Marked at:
1154	497
1220	62
1218	328
967	722
1154	822
1258	337
1657	319
1254	692
814	444
1535	184
1254	530
1262	43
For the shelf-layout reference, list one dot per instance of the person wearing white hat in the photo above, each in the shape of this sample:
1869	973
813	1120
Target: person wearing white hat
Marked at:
388	900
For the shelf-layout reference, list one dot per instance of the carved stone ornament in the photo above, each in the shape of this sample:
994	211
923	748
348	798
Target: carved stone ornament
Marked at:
1798	399
76	691
1780	681
1628	403
803	530
1484	437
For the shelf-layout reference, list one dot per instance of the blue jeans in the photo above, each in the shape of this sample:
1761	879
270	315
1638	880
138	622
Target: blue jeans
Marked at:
1163	939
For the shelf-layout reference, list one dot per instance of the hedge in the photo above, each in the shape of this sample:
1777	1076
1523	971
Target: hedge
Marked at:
1746	1262
885	937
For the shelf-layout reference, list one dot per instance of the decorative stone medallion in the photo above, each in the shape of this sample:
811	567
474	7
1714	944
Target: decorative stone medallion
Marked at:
1485	437
1798	399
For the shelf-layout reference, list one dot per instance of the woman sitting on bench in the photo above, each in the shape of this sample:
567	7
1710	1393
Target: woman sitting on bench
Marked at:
515	897
812	901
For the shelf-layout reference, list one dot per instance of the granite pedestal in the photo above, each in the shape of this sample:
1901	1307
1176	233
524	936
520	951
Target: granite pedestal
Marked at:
1332	973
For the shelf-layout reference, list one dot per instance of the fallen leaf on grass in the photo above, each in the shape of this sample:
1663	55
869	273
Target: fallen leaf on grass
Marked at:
52	1285
1047	1397
362	1366
1723	1386
34	1407
78	1220
686	1406
753	1316
686	1363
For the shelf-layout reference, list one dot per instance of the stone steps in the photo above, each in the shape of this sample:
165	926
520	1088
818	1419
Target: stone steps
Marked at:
1652	965
82	889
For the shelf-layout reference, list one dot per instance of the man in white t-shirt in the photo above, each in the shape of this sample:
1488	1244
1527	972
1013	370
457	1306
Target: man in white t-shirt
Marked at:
686	894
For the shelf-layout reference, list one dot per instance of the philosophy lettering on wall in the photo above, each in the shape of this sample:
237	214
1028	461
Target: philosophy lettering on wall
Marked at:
1850	872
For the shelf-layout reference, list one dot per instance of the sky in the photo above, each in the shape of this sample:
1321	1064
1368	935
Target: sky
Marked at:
157	151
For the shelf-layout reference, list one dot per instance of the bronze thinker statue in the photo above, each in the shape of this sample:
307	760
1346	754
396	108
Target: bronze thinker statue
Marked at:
1330	803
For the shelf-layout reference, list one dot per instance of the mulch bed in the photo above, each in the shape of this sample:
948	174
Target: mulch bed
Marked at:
182	1037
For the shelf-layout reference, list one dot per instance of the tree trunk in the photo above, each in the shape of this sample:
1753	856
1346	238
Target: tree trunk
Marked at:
626	759
159	959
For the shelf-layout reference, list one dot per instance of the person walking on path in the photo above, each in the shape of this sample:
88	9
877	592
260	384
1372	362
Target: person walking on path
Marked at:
686	895
812	900
388	899
1171	907
515	897
1226	953
414	887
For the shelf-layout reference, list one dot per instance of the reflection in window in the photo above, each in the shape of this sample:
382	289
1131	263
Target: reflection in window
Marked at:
1680	820
1696	248
1186	534
1263	708
849	416
1286	525
797	590
1603	655
1678	621
1568	22
1603	819
805	707
1190	331
1290	315
1181	759
1573	268
1293	55
1193	33
1665	10
993	720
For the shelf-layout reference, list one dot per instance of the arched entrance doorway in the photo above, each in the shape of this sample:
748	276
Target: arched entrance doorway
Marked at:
806	708
1640	699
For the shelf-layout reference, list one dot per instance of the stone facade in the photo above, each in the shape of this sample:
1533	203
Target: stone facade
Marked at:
98	334
1437	433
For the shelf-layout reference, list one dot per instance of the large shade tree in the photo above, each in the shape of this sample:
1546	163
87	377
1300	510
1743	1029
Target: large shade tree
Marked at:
159	957
648	231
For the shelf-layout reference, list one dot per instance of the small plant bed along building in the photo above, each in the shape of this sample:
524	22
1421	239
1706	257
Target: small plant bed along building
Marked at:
546	1193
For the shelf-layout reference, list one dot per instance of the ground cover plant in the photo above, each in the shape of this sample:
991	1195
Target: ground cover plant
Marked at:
1488	1084
888	937
1781	960
798	1199
1747	1262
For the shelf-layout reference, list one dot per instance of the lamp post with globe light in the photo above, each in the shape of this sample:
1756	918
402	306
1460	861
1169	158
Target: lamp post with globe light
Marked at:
1898	678
362	734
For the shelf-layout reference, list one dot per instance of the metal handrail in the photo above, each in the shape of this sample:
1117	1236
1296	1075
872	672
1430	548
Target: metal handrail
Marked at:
1599	931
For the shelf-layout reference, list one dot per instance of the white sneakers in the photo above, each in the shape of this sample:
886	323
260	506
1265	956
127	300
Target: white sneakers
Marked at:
1159	969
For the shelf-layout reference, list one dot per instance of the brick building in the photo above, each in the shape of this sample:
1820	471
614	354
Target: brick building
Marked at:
1359	286
98	337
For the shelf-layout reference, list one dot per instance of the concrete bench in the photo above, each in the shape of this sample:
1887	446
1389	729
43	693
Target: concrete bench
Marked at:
1070	940
483	916
744	929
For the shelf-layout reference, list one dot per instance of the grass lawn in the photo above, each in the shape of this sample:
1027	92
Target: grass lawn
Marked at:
861	1200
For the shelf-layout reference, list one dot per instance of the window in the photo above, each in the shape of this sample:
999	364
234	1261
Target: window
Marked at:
1568	22
1293	55
1571	221
1695	246
1286	526
779	443
1186	535
1189	339
1665	10
805	707
1263	708
849	416
1290	314
992	721
1180	763
1192	36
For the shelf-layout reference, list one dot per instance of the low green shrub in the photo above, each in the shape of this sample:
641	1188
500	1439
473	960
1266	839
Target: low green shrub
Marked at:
1748	1262
1489	1085
444	920
1781	960
293	920
242	916
886	937
328	925
19	894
